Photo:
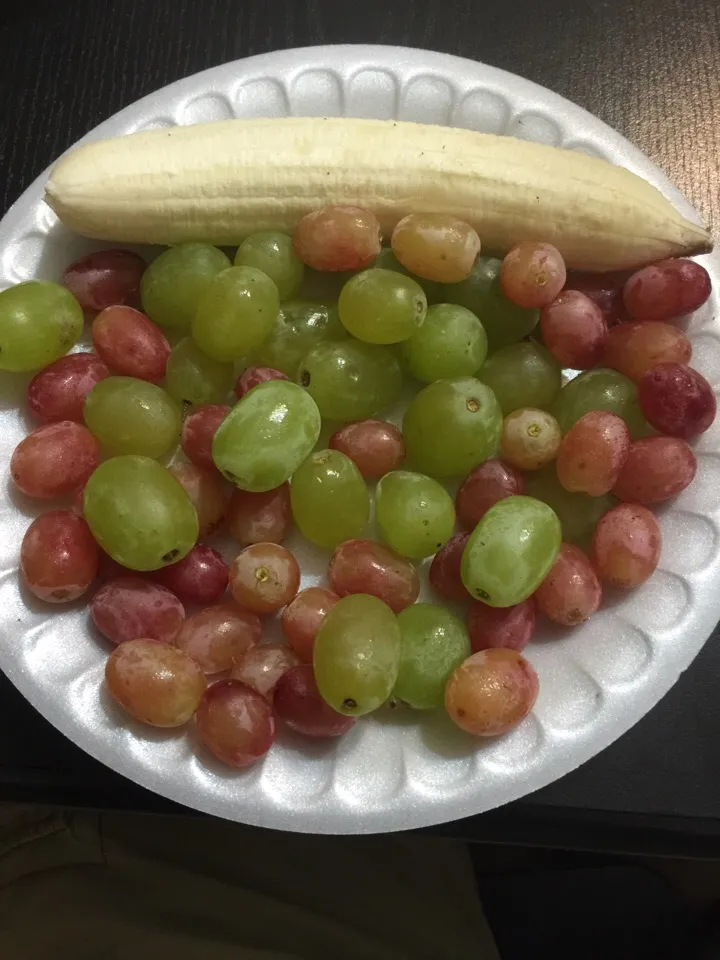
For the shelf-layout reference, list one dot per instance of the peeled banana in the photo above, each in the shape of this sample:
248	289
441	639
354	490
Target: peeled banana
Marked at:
217	182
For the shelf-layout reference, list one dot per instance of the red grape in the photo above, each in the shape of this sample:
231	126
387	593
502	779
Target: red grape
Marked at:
260	517
571	592
54	460
364	566
219	636
207	492
376	447
509	628
626	545
574	330
302	617
264	577
592	453
235	723
444	572
491	692
677	400
130	608
605	290
105	278
198	431
633	348
58	392
130	343
666	290
255	375
533	274
154	682
200	577
263	665
298	703
336	238
656	469
488	483
58	557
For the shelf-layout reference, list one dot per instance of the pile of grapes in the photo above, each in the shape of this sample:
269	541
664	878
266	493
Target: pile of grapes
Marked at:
530	496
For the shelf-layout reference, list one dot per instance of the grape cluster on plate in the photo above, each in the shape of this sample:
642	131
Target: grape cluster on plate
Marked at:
555	481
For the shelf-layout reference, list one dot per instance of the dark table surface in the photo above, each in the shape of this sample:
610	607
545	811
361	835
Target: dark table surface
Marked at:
650	68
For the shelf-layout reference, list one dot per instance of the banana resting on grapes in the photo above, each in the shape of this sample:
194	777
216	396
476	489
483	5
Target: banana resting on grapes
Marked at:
218	182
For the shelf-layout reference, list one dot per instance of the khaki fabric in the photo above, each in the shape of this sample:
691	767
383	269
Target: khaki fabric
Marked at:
126	887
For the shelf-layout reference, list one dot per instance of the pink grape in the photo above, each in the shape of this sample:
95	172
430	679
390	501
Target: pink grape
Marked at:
260	517
510	628
376	447
491	692
677	400
200	578
592	453
198	431
58	557
131	608
656	469
105	278
574	330
571	592
533	274
337	238
54	460
364	566
444	572
235	723
626	545
667	290
263	665
605	290
219	636
208	493
130	343
298	703
255	375
302	617
58	392
264	577
488	483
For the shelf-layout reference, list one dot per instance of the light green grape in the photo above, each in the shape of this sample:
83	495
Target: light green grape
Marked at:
433	642
381	306
300	326
139	513
329	499
39	322
600	389
386	260
451	426
522	375
356	654
173	284
235	314
451	343
130	416
578	513
415	515
266	436
351	380
504	322
192	377
272	252
510	551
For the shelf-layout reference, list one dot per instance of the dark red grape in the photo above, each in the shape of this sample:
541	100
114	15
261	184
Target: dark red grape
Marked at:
574	330
255	375
604	289
364	566
201	577
298	703
376	447
130	343
444	573
131	608
677	400
509	628
58	392
667	290
656	469
105	278
58	557
198	431
488	483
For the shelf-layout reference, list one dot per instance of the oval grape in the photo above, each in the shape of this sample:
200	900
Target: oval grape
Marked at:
298	703
533	274
174	283
414	514
264	577
522	375
201	577
491	692
59	391
530	438
444	573
436	246
336	238
329	499
219	636
263	665
130	343
131	416
207	492
633	348
272	252
592	454
302	617
196	379
363	566
656	469
375	447
508	628
260	517
433	642
253	376
235	723
666	290
130	608
626	545
574	330
677	400
484	486
198	432
235	313
104	278
39	322
54	460
58	557
571	592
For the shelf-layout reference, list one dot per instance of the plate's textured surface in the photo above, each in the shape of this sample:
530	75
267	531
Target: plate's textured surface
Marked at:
392	771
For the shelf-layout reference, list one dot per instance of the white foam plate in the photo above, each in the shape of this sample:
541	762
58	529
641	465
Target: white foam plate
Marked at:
395	770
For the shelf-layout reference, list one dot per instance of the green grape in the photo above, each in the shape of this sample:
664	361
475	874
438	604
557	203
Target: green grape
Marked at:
451	426
356	654
415	515
522	375
323	287
351	380
300	326
192	377
130	416
381	306
433	642
510	551
272	252
600	389
329	499
504	322
578	512
451	343
39	322
235	314
173	284
139	513
266	436
386	260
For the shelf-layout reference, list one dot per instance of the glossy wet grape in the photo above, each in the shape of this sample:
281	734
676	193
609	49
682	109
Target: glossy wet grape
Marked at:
530	438
375	446
386	260
199	578
600	389
39	322
329	499
592	453
508	628
578	512
198	431
633	348
253	376
235	723
491	692
105	278
483	487
259	517
626	545
571	592
130	343
300	326
533	274
154	682
235	313
656	469
364	566
58	557
272	252
59	391
522	375
444	572
381	306
131	416
604	289
451	342
264	577
207	492
298	703
414	514
574	330
219	636
677	400
194	378
302	617
436	246
336	238
130	608
54	460
262	666
666	290
174	283
433	643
